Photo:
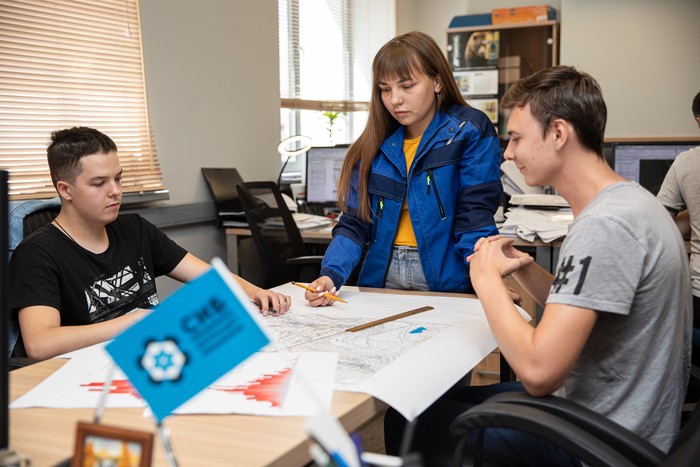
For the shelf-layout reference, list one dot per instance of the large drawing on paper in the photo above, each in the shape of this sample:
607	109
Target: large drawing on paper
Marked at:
361	353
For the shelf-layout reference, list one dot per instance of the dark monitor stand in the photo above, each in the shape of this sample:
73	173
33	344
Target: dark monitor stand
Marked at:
7	457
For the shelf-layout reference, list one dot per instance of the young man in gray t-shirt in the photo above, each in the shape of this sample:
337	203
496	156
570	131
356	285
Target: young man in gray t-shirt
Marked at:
615	332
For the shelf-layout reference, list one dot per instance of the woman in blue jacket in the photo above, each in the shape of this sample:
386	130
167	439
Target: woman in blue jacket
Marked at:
420	185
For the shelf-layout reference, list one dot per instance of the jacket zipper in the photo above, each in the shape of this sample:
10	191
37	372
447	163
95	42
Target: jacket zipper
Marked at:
429	179
379	216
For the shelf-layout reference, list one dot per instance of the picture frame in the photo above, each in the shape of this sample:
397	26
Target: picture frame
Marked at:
488	105
96	443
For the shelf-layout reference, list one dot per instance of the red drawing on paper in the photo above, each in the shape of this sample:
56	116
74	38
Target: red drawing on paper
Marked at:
119	386
267	388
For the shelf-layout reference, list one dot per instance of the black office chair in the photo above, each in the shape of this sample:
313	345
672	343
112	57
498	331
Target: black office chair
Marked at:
30	223
283	255
591	437
39	218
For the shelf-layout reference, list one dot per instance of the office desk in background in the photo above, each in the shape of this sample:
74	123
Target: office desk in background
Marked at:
321	235
545	254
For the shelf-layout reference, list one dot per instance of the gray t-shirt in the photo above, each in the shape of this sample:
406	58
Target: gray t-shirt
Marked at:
681	190
624	258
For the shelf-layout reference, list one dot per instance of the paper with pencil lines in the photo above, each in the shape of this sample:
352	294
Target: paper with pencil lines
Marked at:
426	352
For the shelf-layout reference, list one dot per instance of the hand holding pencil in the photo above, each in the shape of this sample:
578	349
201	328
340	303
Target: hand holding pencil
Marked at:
320	292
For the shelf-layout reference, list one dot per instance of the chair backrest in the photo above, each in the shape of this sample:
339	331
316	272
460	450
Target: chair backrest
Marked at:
222	183
274	230
39	218
38	214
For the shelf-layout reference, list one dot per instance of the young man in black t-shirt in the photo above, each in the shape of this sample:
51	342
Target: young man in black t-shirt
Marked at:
89	274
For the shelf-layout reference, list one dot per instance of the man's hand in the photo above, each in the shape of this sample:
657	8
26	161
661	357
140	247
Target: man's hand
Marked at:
272	302
496	255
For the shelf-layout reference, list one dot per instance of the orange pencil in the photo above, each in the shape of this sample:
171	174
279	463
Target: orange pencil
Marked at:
311	289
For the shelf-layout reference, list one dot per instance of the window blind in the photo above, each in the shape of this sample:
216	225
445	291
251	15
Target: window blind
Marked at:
72	63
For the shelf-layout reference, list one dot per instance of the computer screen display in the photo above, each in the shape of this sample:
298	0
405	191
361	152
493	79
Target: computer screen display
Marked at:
648	163
323	165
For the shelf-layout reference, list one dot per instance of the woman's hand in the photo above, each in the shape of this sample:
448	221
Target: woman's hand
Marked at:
322	285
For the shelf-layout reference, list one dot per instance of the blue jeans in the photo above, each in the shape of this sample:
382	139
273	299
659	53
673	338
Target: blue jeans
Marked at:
432	437
405	270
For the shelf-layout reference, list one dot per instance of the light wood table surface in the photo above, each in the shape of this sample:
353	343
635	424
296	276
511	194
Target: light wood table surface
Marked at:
47	436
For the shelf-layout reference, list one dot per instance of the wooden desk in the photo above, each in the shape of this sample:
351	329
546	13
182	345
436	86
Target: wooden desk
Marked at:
321	235
46	436
545	253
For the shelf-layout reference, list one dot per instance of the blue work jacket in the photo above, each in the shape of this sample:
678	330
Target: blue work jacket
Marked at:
452	189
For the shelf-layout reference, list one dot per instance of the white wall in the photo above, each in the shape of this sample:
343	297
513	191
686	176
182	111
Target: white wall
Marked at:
644	53
213	90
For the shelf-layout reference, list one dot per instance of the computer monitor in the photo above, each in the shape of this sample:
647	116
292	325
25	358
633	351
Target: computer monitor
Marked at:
648	162
323	165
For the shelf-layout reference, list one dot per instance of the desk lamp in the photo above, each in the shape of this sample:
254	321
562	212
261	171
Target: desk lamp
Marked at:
286	149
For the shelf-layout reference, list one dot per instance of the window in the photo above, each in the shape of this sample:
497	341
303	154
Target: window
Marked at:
76	63
326	52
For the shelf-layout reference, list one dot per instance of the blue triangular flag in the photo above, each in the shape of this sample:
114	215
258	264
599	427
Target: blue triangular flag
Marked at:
190	340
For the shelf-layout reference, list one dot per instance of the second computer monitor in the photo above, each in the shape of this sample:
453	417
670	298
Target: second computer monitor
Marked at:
647	162
323	165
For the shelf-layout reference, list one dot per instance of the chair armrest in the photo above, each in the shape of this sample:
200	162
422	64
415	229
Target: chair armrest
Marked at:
619	438
572	438
304	260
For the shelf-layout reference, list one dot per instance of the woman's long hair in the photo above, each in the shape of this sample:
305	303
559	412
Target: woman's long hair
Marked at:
403	57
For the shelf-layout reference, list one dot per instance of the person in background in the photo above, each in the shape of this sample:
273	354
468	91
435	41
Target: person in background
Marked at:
90	273
680	193
615	332
420	185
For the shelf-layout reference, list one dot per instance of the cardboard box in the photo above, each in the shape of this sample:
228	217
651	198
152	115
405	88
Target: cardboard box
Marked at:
523	14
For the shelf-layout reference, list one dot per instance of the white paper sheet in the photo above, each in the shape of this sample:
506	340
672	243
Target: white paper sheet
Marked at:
271	384
266	384
407	363
78	384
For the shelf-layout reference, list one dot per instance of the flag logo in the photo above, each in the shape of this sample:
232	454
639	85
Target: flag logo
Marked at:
163	360
190	340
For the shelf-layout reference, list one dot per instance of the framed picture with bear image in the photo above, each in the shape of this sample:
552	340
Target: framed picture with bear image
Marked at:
97	445
473	49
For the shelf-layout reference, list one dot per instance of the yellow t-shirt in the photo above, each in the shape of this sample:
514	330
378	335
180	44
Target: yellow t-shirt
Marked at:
404	234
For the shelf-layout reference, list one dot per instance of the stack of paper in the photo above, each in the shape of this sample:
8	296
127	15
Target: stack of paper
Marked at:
529	224
514	182
538	200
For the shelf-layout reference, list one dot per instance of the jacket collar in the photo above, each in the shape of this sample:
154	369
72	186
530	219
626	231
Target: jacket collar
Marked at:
443	127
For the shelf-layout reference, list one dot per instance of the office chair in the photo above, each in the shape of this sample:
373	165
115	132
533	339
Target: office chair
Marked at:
593	438
283	255
34	214
39	218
